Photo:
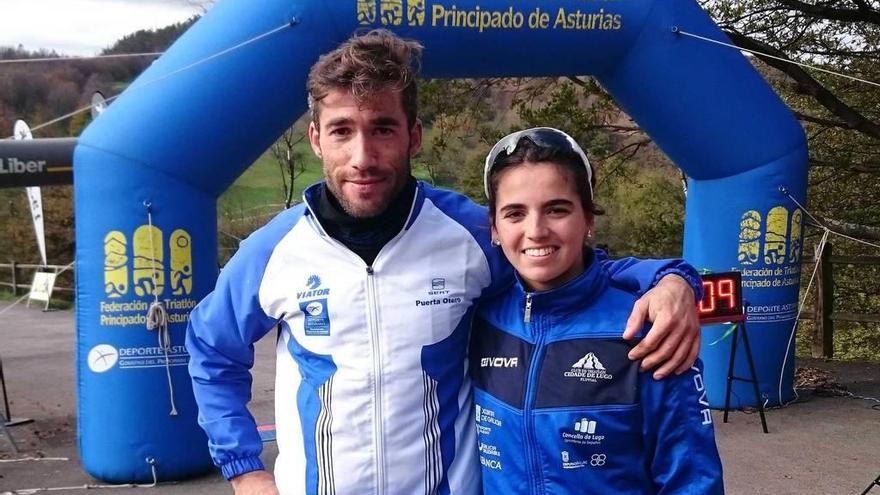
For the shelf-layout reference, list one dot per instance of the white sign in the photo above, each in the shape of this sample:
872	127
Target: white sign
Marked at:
41	287
35	199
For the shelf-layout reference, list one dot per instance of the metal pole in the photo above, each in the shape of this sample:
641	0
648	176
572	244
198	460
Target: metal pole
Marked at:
8	416
754	377
730	371
8	420
876	482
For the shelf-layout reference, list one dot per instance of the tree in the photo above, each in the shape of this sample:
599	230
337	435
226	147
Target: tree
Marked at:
842	121
841	116
454	113
290	161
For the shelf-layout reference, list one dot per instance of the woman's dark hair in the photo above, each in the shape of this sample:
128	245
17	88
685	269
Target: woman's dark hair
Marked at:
527	151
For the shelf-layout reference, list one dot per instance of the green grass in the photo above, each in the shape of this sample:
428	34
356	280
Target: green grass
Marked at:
259	187
6	295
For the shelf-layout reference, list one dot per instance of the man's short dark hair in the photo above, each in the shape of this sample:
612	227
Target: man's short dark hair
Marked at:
365	65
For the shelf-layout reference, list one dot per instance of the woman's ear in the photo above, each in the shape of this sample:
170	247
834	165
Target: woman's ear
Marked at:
496	241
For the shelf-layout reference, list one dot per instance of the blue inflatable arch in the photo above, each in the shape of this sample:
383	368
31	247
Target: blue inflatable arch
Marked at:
149	171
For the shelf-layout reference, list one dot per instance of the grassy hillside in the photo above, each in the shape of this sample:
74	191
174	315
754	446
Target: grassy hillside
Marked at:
260	185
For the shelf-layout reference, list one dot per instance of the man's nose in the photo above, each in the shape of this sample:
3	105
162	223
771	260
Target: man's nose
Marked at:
363	152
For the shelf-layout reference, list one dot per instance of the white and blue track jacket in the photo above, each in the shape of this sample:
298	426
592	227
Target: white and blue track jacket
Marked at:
372	392
560	409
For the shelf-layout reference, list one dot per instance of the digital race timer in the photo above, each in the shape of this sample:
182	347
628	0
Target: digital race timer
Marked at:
722	298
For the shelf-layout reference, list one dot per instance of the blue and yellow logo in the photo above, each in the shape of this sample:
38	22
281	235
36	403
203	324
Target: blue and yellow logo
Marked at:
366	11
777	241
415	12
391	12
144	266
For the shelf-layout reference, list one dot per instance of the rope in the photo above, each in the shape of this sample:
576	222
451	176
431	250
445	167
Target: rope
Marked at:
294	21
825	227
157	315
74	59
28	459
30	491
781	59
819	249
875	407
231	236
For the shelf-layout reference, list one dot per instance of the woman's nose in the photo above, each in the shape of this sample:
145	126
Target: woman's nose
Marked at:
536	227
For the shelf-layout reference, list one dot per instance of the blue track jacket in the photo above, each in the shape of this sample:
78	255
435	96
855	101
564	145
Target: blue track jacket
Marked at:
372	394
560	409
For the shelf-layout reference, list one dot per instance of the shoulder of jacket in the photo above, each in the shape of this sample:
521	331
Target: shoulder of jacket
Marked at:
455	204
265	238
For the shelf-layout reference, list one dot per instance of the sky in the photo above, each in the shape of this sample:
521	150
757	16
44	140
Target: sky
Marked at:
84	27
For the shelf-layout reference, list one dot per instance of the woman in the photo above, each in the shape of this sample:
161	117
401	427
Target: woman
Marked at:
560	408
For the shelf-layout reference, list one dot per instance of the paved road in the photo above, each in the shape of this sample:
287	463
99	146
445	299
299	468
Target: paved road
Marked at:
822	446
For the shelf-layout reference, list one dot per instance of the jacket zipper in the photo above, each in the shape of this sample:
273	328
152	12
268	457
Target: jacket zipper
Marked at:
378	433
534	468
373	310
527	317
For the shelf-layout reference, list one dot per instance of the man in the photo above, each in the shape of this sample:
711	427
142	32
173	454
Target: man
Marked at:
372	282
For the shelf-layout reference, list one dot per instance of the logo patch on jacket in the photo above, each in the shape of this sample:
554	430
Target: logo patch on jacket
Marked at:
583	433
588	369
499	363
317	319
316	316
313	289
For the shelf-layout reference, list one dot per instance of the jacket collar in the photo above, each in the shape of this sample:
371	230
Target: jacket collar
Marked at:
312	193
574	295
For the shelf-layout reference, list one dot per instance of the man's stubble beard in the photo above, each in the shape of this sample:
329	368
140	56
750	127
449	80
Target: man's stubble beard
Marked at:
354	212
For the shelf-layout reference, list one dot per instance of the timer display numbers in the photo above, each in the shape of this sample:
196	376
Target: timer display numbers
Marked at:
722	298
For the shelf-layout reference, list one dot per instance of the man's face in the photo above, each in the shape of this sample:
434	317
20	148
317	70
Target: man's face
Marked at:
365	149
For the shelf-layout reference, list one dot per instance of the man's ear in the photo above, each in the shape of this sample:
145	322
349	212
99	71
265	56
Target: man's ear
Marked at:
415	137
314	139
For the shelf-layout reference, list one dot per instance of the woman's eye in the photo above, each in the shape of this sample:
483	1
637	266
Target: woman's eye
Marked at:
513	215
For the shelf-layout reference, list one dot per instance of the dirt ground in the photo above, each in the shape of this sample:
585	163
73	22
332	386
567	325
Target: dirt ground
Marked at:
822	445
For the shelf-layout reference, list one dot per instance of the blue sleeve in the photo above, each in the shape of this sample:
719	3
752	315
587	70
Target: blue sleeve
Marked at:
639	276
679	435
219	338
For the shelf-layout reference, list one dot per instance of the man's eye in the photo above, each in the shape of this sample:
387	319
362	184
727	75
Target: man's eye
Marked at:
340	132
384	131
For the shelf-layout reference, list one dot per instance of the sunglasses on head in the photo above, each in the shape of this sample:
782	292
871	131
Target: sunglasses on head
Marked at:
543	137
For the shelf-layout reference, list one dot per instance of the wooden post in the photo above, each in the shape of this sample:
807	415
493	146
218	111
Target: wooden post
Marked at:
823	326
14	280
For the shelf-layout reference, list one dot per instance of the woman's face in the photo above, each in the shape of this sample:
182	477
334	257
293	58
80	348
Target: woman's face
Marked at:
541	223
